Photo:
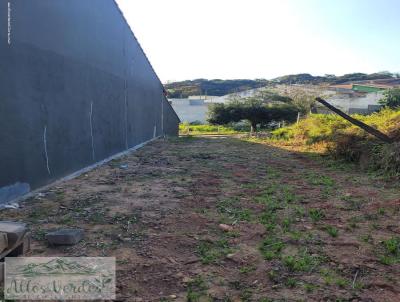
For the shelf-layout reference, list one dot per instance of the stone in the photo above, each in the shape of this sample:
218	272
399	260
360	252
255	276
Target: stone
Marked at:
225	227
65	236
14	230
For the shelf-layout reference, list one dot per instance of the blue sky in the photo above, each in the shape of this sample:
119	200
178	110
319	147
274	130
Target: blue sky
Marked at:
188	39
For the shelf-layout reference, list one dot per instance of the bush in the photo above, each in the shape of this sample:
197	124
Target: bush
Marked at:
391	98
346	141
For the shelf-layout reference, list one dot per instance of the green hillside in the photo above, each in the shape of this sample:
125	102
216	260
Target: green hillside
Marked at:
219	87
211	87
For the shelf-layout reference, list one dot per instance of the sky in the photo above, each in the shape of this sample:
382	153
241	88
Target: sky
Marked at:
249	39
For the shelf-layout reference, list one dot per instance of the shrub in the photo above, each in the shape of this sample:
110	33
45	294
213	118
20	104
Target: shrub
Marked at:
344	140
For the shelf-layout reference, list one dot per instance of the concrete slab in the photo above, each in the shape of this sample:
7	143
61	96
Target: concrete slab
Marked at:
14	230
65	236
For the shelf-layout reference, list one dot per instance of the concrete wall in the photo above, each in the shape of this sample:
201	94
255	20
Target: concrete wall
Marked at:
345	101
190	110
75	88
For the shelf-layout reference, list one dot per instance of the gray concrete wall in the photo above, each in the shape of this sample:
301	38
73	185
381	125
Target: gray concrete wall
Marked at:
190	110
75	88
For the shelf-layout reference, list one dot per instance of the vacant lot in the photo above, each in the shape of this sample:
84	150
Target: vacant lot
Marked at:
220	219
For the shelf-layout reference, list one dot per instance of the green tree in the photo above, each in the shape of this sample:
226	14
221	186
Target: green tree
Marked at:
391	98
251	109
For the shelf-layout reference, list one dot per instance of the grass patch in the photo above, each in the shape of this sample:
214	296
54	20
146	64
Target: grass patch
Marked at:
247	269
332	231
316	214
329	133
302	262
232	209
196	289
187	129
291	282
213	252
332	278
319	180
271	248
391	251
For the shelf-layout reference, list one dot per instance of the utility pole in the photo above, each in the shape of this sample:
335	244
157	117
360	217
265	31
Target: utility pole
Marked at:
383	137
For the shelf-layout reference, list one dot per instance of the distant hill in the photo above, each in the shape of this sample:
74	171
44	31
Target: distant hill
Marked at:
218	87
211	87
305	78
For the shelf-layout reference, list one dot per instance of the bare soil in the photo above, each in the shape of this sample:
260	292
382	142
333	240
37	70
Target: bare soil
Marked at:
223	219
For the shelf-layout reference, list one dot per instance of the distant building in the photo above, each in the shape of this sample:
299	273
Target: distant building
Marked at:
361	97
190	110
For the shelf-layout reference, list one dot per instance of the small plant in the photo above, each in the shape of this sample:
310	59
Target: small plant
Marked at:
392	246
367	238
286	223
299	211
332	231
316	214
310	287
274	276
342	282
302	262
319	180
196	289
246	269
271	248
213	252
331	277
246	294
352	202
296	235
291	282
272	173
232	209
267	196
268	219
288	195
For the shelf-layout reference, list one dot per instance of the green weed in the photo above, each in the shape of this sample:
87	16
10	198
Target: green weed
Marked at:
319	180
196	289
271	247
213	252
316	214
302	262
332	231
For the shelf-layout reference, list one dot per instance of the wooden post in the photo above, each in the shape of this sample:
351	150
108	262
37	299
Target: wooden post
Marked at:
383	137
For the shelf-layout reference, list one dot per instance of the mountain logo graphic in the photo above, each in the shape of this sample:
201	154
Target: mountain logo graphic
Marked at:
55	267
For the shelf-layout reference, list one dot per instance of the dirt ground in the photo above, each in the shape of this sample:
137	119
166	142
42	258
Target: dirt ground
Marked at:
223	219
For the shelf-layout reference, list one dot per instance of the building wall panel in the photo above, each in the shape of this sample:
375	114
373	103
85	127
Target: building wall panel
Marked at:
75	88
